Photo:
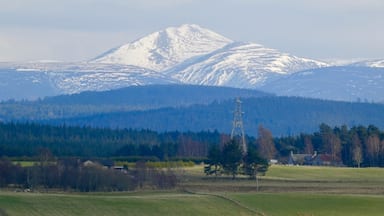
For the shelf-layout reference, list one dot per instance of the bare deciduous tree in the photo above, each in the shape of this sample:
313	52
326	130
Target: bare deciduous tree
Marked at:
265	143
357	151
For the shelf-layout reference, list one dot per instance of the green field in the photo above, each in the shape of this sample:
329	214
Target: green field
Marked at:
165	203
285	204
296	191
118	204
325	173
279	179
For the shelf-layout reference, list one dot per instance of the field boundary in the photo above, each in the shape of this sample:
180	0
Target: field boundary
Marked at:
222	196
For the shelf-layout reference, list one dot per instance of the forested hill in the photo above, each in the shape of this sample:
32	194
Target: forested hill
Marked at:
191	108
156	96
125	99
282	115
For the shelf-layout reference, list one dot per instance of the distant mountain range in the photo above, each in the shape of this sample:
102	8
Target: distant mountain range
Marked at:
190	54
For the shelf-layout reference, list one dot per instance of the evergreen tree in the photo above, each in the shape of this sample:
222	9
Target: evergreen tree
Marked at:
213	164
231	158
254	164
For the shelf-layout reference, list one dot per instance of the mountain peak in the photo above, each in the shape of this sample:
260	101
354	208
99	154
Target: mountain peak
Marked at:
187	28
163	49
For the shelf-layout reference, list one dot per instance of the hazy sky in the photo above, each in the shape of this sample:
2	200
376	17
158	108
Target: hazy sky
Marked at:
71	30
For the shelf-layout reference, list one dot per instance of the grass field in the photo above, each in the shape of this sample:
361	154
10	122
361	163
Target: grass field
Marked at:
285	191
304	204
176	203
296	179
118	204
325	173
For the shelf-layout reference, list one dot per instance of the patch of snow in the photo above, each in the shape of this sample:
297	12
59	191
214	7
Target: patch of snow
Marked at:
27	69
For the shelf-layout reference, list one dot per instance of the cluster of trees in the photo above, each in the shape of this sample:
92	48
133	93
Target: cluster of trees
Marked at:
75	175
229	159
354	147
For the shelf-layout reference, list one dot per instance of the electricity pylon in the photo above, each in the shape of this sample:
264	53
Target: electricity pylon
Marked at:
238	128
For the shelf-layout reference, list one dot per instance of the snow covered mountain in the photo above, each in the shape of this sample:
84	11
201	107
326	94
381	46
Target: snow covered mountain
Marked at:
242	65
194	55
191	54
164	49
343	83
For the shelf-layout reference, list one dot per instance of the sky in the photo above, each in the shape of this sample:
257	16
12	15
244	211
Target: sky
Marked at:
78	30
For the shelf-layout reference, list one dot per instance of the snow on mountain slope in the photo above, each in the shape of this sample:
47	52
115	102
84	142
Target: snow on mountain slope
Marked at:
239	64
163	49
34	80
25	85
370	63
101	77
344	83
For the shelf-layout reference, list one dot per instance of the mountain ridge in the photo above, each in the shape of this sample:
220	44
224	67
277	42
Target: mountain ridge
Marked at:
241	65
339	83
376	63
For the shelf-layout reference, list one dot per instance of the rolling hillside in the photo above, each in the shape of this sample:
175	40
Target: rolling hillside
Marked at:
124	99
282	115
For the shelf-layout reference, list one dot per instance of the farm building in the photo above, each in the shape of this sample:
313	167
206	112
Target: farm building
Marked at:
314	159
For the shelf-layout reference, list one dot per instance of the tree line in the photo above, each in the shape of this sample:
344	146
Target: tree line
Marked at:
357	146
